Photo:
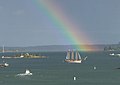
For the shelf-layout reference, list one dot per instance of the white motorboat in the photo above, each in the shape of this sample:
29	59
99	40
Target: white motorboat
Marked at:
27	72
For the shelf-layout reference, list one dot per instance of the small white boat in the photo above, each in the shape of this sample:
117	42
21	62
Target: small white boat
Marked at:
74	78
5	57
113	54
13	57
27	72
21	56
118	54
94	68
4	65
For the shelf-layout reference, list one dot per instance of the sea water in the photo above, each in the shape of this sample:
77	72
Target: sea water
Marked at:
54	71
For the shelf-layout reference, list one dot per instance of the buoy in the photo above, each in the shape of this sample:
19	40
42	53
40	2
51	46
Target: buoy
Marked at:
74	78
94	68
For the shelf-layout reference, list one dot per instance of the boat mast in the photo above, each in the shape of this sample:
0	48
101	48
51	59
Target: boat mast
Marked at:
3	49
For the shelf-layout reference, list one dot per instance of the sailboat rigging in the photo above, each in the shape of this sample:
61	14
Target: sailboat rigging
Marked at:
73	57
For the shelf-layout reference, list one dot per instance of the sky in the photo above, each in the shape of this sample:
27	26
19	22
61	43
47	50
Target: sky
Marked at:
24	23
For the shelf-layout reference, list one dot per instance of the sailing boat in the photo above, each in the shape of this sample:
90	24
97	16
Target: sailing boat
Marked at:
5	64
73	57
3	51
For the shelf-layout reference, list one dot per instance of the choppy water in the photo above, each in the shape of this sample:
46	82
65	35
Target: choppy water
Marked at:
54	71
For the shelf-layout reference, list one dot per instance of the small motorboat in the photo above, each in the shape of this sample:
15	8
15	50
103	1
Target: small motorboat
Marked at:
27	72
4	65
113	54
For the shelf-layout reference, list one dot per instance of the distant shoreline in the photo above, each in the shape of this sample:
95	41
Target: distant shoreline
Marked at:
49	48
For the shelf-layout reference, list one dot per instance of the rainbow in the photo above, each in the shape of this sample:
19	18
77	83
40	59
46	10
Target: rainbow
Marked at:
71	31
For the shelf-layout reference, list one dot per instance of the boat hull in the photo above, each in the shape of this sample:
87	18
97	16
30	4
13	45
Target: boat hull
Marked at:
73	61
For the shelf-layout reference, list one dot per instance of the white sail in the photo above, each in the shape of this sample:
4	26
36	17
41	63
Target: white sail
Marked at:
27	71
72	57
79	56
76	56
68	55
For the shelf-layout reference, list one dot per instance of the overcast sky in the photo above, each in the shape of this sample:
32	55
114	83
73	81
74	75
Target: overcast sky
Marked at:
22	22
